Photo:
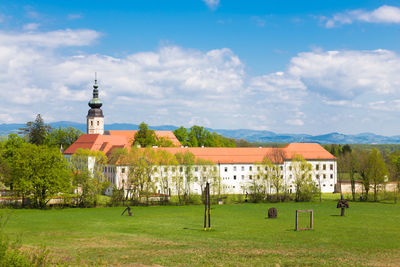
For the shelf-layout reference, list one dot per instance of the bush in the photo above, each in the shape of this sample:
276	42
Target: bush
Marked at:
12	255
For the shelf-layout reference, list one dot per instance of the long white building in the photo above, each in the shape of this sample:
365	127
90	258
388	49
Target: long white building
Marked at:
236	167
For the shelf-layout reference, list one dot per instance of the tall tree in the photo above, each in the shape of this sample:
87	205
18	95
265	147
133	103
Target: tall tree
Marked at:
87	169
347	163
187	160
362	169
145	137
305	187
62	137
182	135
41	172
377	170
36	131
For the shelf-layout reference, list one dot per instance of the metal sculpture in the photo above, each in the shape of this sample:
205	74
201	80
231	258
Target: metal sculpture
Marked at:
311	220
272	213
207	204
129	211
342	204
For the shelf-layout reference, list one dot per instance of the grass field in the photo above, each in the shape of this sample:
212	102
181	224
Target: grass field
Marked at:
240	235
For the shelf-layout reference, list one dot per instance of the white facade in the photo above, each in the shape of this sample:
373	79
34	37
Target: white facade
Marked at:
95	125
234	178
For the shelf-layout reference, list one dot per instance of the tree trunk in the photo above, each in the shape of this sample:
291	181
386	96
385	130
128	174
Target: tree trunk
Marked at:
342	212
375	192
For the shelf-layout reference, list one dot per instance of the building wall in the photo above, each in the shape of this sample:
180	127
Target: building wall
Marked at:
234	178
95	125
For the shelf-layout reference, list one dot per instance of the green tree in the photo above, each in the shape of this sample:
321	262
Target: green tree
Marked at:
305	187
362	169
182	135
394	170
39	171
36	131
377	170
347	163
145	137
88	178
62	137
275	157
187	160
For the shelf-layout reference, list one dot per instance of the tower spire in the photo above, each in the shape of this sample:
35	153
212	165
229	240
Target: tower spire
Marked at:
95	118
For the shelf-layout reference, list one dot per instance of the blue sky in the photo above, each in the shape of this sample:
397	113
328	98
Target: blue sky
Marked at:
286	66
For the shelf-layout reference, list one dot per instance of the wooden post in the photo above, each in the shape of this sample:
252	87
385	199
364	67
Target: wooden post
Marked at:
205	208
209	205
297	220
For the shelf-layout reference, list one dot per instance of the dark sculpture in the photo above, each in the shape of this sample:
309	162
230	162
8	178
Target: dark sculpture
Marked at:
342	204
207	207
129	211
272	213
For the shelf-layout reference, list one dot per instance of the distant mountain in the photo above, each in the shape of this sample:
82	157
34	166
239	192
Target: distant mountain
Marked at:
249	135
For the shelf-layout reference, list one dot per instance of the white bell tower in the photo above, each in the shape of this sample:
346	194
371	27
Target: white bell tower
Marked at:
95	118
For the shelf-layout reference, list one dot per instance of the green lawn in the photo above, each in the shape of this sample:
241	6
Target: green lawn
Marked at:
241	235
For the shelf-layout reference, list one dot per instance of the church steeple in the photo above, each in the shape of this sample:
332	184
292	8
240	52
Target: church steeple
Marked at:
95	118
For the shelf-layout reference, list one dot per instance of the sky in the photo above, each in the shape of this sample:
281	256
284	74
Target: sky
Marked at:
311	67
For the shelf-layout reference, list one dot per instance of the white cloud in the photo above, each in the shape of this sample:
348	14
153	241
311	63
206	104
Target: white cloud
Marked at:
182	86
212	4
52	39
383	14
347	74
31	26
74	16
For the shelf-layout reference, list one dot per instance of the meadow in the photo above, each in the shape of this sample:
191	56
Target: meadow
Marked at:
241	235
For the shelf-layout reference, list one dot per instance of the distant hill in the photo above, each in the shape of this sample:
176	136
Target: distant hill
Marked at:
249	135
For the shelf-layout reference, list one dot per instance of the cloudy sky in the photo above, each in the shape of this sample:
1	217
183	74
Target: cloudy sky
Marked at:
285	66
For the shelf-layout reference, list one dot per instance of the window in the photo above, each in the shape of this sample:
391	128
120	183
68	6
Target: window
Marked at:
258	168
290	176
215	169
242	177
204	169
234	168
250	177
91	123
317	167
323	185
234	177
281	168
290	168
233	186
331	167
250	168
331	184
196	169
258	177
324	176
123	170
173	169
181	169
226	169
324	167
331	176
165	169
98	123
317	176
242	168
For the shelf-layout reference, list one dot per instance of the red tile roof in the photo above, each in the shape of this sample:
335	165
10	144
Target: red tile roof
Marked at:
123	139
130	135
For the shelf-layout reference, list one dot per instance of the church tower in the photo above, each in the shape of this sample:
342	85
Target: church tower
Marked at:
95	118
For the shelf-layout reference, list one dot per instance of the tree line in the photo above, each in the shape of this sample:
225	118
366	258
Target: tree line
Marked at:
369	166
